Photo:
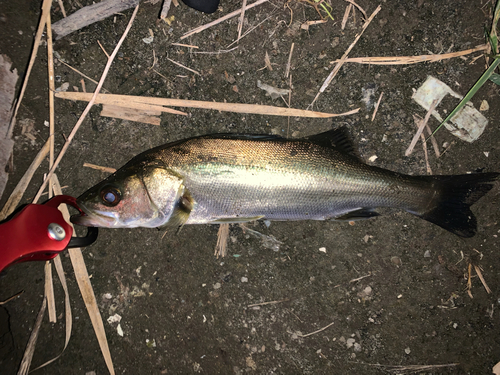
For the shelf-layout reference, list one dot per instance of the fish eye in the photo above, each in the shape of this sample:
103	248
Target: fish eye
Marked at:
110	196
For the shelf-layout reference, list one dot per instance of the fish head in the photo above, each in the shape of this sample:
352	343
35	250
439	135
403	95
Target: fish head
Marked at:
144	196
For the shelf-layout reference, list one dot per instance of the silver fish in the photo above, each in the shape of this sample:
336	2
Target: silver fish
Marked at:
230	178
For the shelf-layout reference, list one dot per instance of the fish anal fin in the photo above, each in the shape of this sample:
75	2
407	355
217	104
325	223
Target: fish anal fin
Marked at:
360	214
234	220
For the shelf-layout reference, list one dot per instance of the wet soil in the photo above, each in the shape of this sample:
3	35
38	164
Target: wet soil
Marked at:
393	287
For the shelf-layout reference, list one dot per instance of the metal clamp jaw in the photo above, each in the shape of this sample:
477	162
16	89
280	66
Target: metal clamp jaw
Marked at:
39	232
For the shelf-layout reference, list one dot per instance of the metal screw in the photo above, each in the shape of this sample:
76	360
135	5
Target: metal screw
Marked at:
56	232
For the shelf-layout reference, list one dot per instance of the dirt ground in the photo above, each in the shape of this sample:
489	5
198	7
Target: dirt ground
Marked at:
393	287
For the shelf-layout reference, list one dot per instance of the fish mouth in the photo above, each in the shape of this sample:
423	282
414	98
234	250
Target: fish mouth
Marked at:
92	219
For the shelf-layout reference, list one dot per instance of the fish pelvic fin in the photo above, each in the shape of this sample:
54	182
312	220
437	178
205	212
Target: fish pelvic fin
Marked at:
360	214
181	212
451	209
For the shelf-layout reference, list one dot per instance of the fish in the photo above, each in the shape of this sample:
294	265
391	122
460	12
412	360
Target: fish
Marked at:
236	178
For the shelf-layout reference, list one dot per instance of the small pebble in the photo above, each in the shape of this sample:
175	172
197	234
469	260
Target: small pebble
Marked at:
244	279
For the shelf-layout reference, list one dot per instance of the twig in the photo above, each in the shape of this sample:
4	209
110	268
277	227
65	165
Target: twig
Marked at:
99	168
61	5
11	298
83	75
89	105
43	19
319	330
346	16
222	19
103	50
184	45
215	53
287	70
125	100
410	148
183	66
30	346
242	18
407	60
483	281
250	30
269	302
337	67
418	124
377	105
360	9
17	194
360	278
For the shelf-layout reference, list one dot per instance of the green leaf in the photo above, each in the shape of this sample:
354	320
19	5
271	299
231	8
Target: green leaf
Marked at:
495	78
480	82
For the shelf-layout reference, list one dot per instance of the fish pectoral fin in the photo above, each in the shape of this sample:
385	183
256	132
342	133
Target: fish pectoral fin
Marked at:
360	214
181	212
240	219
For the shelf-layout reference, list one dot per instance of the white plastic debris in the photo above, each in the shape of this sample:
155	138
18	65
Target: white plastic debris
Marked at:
322	249
114	319
273	92
119	330
484	106
373	158
468	124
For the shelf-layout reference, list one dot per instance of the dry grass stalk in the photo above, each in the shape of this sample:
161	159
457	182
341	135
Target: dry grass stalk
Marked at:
131	114
222	237
269	303
318	331
249	31
418	124
49	286
83	75
287	70
41	25
242	18
86	290
61	5
410	148
222	19
184	45
99	168
407	60
17	194
267	61
397	369
183	66
11	298
360	278
49	292
30	346
346	16
144	107
91	103
305	25
483	281
377	105
337	67
126	100
359	8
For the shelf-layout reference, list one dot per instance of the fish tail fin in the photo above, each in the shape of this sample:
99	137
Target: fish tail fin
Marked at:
451	209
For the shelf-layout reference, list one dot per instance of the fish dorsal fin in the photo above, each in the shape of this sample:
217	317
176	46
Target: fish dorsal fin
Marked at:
337	138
